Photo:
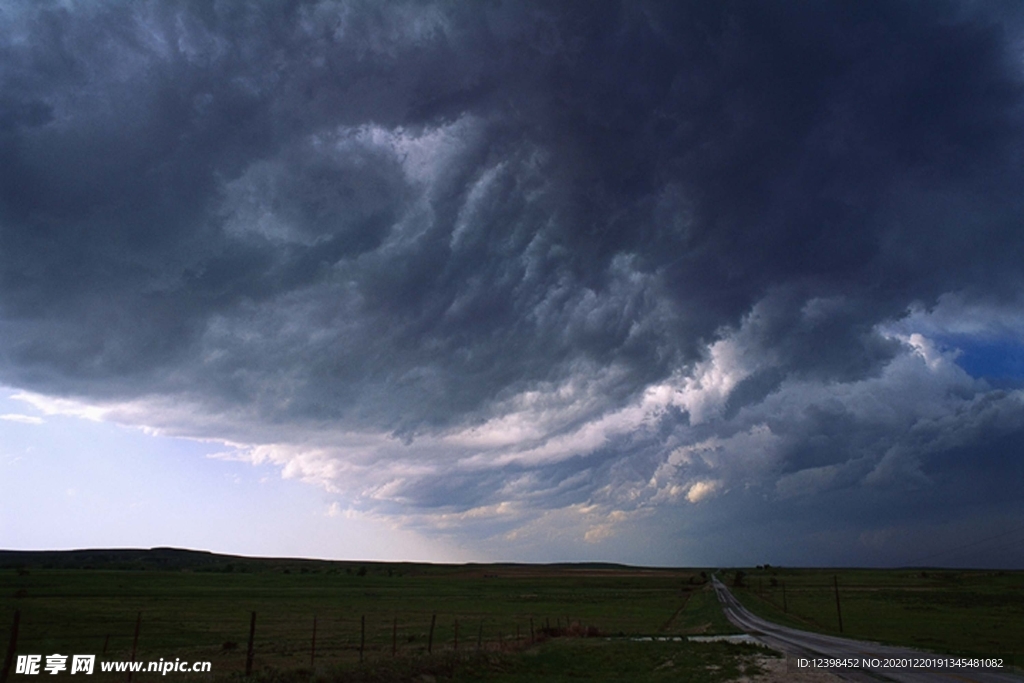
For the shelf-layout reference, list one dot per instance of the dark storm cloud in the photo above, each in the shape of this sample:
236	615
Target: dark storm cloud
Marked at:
495	230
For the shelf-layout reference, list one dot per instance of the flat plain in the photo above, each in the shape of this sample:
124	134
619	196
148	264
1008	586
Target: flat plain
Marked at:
483	616
498	622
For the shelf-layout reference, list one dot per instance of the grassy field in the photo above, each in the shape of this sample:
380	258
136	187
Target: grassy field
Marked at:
490	622
595	660
947	611
484	612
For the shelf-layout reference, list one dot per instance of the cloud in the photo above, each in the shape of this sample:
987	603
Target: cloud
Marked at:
23	419
701	490
448	258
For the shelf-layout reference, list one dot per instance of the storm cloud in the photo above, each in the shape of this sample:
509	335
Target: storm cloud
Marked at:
656	281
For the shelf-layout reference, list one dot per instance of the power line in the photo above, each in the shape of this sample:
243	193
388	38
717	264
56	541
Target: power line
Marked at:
972	544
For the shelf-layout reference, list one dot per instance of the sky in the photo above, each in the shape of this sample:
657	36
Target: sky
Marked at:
683	284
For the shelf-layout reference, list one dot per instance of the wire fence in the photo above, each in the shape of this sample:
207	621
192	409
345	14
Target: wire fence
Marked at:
265	640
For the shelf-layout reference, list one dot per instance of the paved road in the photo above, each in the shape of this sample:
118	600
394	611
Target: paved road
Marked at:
797	643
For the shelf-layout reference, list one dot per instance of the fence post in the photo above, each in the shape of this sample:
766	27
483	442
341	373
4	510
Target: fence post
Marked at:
839	611
456	635
531	630
785	607
11	646
394	636
135	642
248	652
312	649
362	637
430	638
480	636
106	640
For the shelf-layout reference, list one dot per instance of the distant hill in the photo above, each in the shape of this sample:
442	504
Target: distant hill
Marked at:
118	558
165	559
179	559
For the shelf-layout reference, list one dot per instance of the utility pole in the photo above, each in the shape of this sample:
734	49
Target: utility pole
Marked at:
249	652
12	645
312	649
839	611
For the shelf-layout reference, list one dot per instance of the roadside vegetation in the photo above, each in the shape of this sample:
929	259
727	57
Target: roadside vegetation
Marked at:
969	612
558	661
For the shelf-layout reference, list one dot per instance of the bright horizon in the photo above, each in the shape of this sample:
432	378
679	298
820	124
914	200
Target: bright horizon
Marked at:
660	285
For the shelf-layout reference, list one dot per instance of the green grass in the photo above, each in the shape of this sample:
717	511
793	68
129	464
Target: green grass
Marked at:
702	614
202	615
948	611
597	660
